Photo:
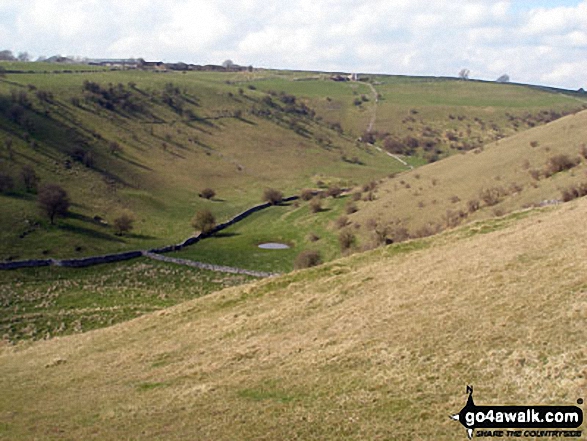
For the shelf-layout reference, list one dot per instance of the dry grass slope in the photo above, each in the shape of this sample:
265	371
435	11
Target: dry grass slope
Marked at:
374	346
504	176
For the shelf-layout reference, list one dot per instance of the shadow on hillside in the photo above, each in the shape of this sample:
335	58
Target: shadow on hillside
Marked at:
136	164
89	232
140	236
22	196
222	234
247	121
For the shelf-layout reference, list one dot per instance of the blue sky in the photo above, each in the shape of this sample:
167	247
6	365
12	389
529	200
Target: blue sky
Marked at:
538	42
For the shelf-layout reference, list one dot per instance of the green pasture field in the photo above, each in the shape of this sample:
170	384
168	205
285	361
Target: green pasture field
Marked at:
291	224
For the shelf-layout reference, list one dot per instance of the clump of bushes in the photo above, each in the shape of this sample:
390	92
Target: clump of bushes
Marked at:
491	196
307	259
334	191
574	191
559	163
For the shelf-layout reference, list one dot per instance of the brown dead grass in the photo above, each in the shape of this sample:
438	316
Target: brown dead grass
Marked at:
521	169
375	346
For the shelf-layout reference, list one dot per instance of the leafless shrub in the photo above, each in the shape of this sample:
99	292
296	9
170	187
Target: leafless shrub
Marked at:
498	211
346	240
370	186
114	148
536	174
516	188
316	205
341	222
204	221
313	237
273	196
207	193
453	218
427	230
534	144
454	199
307	259
574	191
334	191
491	196
351	208
307	194
559	163
473	205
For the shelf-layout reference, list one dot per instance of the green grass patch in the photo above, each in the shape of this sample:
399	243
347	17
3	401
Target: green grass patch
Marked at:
46	302
144	387
289	224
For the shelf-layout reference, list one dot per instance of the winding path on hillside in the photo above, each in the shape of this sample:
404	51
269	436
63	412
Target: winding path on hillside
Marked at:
372	122
373	119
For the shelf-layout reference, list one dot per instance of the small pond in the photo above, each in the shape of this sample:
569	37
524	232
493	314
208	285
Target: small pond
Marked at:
273	246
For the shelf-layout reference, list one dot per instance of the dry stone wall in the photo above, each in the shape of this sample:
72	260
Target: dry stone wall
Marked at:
152	253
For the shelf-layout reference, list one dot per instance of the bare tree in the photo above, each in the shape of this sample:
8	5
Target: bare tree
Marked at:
23	56
53	201
123	224
6	55
227	64
8	145
464	74
505	78
6	183
29	178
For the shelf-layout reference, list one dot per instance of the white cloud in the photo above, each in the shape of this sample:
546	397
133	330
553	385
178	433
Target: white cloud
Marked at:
423	37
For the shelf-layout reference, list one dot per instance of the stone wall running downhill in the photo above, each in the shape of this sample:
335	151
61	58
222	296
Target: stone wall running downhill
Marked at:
207	266
152	253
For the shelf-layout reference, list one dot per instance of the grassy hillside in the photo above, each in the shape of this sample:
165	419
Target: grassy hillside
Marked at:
532	168
428	117
149	143
373	346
